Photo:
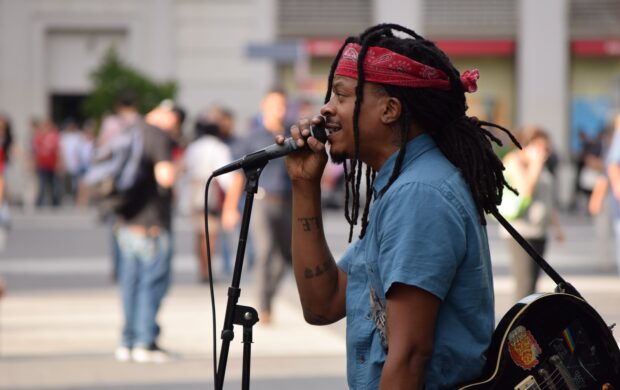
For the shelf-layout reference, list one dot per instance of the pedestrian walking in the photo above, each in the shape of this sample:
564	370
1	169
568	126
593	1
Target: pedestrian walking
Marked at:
6	144
143	235
205	154
70	139
534	213
271	218
224	118
46	152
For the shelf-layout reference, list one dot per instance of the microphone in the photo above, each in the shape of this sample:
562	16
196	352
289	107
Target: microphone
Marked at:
273	151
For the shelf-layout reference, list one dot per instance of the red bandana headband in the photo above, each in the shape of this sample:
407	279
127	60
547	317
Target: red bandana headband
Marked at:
384	66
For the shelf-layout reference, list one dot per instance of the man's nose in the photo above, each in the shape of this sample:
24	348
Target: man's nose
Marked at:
327	110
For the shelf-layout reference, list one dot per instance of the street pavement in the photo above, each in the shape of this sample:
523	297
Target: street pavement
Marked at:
60	319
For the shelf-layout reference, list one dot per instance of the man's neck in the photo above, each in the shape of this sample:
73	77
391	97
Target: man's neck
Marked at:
384	152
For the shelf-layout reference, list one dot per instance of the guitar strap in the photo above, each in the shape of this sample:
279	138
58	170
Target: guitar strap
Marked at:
562	285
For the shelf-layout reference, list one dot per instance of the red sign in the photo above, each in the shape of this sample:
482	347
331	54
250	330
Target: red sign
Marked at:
477	48
329	47
601	47
323	47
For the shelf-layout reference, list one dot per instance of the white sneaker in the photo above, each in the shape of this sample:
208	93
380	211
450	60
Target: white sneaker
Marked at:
122	354
150	355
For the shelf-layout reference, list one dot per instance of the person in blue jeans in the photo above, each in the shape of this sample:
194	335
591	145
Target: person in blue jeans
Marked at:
417	287
144	241
144	279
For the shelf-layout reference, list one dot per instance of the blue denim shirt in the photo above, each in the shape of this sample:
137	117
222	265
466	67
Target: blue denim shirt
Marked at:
424	231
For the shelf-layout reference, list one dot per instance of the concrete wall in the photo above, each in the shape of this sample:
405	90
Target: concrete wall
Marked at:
26	30
407	13
543	79
199	43
211	65
202	44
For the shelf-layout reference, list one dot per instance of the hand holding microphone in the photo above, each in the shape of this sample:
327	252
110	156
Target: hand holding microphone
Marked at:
309	135
282	147
304	130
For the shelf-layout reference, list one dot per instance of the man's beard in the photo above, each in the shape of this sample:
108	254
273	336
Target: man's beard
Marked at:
337	158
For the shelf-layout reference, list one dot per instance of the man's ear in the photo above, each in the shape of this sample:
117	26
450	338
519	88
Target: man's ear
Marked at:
392	110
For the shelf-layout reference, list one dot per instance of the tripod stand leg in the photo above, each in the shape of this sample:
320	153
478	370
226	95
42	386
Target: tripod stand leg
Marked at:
247	357
237	314
246	316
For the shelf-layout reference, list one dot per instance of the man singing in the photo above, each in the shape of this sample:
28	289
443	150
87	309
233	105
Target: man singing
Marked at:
417	287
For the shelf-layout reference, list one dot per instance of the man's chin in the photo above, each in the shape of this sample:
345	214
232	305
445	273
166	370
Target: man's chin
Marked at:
337	158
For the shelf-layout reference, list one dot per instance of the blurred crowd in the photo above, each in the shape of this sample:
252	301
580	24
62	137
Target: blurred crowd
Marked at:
55	155
58	158
59	155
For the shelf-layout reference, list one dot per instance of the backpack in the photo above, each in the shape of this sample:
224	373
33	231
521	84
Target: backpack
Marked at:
117	169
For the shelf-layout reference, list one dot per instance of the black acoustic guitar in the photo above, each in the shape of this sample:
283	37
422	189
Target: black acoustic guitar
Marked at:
551	341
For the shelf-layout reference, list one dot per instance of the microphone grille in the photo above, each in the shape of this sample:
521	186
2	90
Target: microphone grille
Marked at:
318	132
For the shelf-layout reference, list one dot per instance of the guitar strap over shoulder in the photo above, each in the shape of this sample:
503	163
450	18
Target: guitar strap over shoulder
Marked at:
562	285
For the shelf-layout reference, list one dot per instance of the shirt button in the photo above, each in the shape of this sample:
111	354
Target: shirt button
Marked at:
361	359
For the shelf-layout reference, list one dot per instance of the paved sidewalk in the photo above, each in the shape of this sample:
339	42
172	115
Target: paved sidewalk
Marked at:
60	321
64	340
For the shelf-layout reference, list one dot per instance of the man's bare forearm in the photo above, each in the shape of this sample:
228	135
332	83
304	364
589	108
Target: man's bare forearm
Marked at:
315	270
406	374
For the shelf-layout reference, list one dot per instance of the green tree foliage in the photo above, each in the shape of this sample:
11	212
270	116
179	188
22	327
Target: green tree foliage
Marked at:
114	78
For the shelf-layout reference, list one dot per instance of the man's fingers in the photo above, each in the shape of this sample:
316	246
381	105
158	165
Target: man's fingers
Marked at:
295	131
301	133
315	145
318	119
296	135
304	126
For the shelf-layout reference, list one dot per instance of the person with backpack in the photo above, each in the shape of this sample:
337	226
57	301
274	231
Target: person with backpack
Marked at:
143	209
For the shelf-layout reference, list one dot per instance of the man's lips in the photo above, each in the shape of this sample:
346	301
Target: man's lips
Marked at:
331	128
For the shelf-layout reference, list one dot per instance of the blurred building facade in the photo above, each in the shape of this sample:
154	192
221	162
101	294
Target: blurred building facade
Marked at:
555	62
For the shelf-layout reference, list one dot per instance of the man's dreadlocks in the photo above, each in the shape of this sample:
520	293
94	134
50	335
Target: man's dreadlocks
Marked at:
462	139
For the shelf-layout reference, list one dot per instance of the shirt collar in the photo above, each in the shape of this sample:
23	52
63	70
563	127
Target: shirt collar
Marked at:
415	148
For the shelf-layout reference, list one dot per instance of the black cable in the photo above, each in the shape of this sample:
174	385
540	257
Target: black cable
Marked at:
211	290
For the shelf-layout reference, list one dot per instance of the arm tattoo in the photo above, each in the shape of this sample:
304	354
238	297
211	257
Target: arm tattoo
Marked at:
308	222
327	266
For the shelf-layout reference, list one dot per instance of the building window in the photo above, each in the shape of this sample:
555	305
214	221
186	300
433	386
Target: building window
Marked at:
326	18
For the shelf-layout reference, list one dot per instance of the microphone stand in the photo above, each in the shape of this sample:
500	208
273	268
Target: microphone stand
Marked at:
237	314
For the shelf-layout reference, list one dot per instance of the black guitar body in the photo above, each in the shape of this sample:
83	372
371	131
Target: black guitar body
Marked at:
550	341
